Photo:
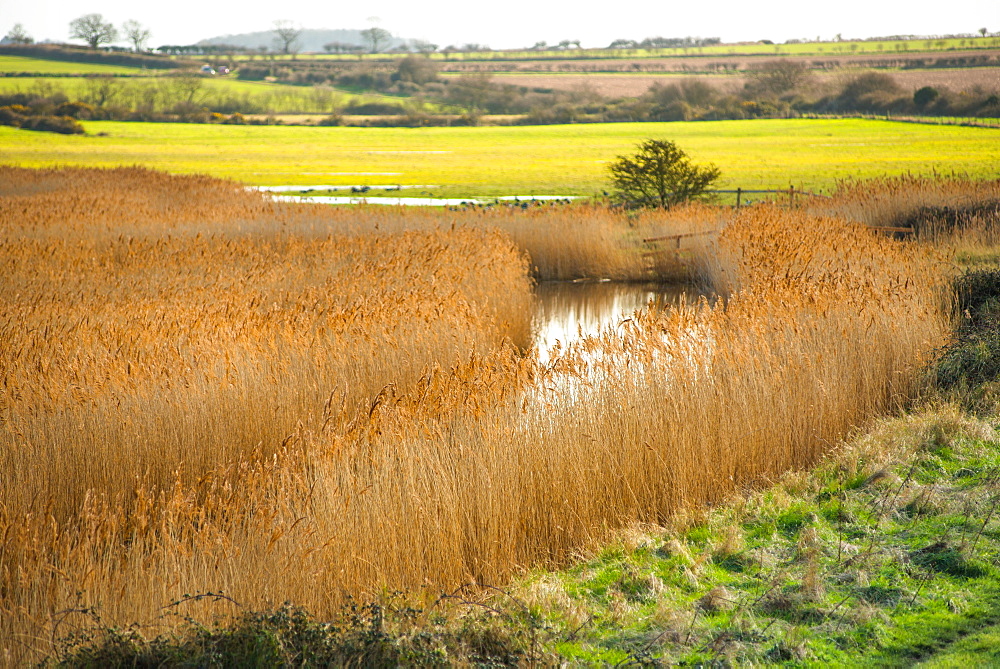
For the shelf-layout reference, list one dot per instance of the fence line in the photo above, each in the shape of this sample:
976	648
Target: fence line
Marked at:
969	121
791	192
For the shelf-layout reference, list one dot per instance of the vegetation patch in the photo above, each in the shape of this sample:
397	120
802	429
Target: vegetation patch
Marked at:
863	577
193	338
972	359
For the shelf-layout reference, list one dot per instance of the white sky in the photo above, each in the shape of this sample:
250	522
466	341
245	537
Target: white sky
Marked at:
520	23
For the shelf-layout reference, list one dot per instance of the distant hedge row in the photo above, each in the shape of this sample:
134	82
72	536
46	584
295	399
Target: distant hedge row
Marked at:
74	54
19	116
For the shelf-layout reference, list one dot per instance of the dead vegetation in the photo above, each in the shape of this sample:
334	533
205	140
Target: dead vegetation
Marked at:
217	393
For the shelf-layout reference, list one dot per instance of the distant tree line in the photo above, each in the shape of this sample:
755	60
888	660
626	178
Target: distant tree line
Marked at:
665	43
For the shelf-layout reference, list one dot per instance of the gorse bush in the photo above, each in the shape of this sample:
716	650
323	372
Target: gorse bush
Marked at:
21	117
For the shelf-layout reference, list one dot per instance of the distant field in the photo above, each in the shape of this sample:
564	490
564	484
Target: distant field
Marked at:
37	65
803	49
632	84
528	160
276	98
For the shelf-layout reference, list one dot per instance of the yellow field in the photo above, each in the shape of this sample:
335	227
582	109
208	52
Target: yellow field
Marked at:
813	154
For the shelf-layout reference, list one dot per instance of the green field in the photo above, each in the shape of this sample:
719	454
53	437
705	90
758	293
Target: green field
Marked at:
40	66
523	160
847	47
216	92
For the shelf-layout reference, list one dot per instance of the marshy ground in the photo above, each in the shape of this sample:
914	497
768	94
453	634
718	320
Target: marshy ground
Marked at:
214	403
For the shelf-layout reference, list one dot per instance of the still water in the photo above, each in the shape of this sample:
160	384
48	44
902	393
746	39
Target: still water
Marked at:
405	201
569	311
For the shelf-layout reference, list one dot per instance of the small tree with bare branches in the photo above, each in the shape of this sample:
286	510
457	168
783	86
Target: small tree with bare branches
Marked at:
136	34
287	36
376	37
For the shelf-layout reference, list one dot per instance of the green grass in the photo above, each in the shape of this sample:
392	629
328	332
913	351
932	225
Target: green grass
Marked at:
529	160
42	66
980	648
856	565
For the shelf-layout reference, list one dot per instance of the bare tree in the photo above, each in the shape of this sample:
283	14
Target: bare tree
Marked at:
776	77
376	37
18	35
93	29
102	90
423	46
136	34
186	86
287	36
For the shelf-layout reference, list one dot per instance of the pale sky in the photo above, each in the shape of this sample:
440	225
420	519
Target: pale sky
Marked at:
520	23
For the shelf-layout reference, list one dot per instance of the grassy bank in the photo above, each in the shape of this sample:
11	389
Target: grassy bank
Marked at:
543	160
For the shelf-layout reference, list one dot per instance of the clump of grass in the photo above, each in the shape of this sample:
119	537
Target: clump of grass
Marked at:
970	363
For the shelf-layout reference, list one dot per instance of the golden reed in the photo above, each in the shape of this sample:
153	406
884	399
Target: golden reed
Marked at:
203	390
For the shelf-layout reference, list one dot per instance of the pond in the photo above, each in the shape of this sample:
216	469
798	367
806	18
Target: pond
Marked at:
569	311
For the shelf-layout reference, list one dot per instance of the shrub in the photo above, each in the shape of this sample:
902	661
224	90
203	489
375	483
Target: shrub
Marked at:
659	175
9	116
77	110
973	357
64	125
872	91
417	69
925	96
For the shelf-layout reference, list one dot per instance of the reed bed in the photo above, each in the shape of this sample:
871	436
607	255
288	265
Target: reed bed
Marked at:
956	213
563	243
309	404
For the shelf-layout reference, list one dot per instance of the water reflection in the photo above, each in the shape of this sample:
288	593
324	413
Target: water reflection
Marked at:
570	311
420	201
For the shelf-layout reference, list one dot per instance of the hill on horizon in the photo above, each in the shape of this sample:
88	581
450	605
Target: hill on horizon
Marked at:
309	39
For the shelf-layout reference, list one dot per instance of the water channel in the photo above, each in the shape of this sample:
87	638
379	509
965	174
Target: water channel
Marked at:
300	194
569	311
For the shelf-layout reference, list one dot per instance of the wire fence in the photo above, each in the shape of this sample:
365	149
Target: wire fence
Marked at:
785	197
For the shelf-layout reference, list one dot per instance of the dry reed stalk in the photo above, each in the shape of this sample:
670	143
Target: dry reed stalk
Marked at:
949	212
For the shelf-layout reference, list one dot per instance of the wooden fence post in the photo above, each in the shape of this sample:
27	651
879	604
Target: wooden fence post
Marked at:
739	193
791	197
